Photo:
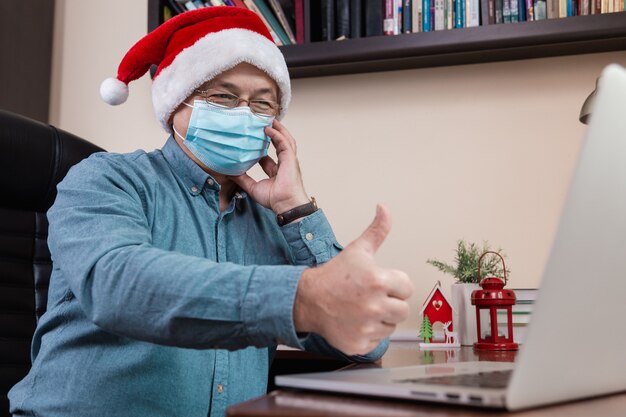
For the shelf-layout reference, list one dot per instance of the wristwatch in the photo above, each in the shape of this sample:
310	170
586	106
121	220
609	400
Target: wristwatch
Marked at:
297	212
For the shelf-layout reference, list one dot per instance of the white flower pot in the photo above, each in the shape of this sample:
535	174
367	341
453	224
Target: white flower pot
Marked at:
464	312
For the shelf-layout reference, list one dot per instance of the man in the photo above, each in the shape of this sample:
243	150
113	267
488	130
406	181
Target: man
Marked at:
175	273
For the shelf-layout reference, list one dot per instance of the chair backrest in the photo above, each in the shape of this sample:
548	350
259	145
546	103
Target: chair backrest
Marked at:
34	158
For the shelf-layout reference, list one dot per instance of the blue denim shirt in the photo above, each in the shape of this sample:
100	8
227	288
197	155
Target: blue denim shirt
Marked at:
160	304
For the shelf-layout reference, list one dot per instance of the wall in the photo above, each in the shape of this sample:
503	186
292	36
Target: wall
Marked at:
480	152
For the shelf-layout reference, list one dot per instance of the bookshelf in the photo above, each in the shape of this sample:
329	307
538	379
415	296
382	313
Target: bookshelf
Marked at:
490	43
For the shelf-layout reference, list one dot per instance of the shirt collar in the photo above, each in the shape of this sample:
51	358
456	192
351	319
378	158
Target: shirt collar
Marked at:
194	178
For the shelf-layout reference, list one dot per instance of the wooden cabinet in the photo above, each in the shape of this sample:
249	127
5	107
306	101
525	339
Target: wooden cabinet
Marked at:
490	43
26	29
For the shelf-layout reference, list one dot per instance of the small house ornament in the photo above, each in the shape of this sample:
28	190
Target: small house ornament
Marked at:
437	309
491	300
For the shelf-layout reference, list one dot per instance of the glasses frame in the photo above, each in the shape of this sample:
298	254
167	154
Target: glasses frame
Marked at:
274	106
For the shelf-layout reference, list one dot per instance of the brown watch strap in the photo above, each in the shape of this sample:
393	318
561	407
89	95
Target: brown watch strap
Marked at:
297	212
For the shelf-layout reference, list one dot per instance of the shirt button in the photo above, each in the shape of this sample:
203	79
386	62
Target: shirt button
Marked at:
309	236
194	189
210	181
220	388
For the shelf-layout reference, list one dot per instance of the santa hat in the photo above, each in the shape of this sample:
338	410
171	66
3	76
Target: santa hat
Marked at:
192	48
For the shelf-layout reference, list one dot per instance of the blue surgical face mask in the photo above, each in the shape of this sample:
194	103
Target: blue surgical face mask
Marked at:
225	140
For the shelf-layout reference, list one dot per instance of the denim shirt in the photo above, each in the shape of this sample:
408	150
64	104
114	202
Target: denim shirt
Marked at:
159	304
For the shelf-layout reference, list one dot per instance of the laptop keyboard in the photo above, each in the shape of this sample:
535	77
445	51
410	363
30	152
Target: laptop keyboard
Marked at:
492	379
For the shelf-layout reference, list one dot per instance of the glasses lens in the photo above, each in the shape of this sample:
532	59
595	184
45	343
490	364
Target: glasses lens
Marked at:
264	108
222	99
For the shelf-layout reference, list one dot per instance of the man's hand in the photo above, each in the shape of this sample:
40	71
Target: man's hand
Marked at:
351	301
283	190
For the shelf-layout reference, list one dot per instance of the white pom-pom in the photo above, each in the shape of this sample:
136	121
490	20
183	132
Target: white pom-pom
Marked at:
113	91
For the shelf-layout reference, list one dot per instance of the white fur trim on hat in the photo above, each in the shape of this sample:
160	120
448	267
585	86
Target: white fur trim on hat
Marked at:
113	91
208	57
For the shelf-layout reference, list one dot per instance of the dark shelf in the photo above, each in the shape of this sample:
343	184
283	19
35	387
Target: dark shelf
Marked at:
502	42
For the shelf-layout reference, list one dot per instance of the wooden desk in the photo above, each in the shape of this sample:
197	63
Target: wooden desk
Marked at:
284	402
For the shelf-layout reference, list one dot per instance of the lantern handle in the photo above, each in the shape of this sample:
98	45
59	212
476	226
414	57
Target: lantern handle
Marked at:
501	258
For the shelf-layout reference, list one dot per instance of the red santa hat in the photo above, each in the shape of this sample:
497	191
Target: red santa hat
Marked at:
194	47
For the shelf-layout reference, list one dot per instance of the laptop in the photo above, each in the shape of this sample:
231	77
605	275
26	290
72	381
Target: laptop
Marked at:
576	340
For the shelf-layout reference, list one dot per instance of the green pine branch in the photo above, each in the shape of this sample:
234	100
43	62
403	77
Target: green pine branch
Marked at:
465	268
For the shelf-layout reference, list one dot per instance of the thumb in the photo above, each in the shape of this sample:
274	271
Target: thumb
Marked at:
375	234
245	181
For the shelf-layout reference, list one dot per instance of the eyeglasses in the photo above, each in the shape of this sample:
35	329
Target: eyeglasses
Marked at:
223	98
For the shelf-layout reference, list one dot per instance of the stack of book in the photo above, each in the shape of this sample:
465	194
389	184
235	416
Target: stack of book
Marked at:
278	15
302	21
522	312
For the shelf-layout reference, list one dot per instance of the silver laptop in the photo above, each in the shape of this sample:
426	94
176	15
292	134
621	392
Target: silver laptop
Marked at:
576	343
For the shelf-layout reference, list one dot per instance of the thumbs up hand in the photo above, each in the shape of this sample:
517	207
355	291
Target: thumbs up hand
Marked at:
350	300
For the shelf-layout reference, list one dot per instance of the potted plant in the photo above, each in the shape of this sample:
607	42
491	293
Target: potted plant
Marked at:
465	271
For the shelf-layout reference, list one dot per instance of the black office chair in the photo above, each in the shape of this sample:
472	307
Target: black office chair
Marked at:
34	158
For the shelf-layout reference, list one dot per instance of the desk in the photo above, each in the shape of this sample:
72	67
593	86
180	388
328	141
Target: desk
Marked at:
285	402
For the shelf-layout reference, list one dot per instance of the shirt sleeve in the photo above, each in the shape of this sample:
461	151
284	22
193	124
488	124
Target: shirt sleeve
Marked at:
317	344
100	241
311	240
313	243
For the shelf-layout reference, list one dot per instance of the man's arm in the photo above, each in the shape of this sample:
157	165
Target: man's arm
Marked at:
350	301
101	241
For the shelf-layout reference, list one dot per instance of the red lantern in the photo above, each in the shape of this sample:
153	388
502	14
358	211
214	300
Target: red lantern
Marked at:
491	300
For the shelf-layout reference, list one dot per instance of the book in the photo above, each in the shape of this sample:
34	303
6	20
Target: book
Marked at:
526	294
342	19
506	11
327	11
426	16
250	4
313	21
299	17
514	11
439	14
473	14
449	14
417	15
239	3
266	12
282	19
374	17
290	13
598	6
523	308
517	318
388	23
167	13
530	10
521	10
356	14
551	10
407	16
395	16
458	14
487	12
175	6
432	14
